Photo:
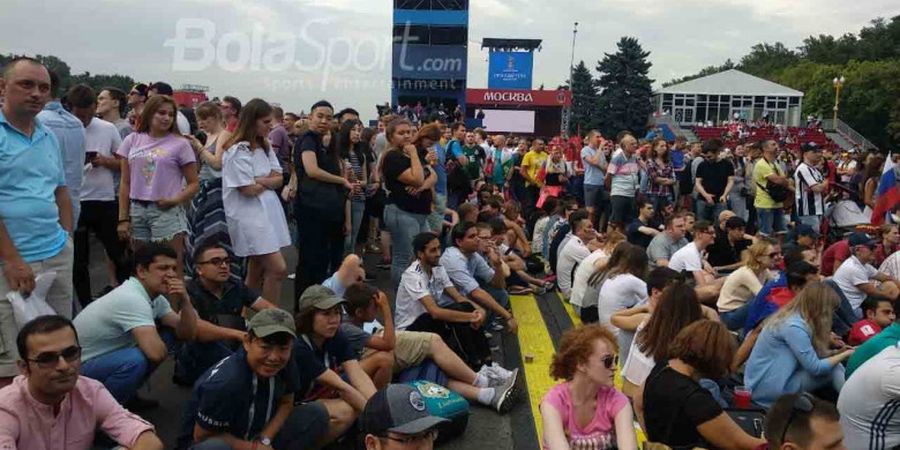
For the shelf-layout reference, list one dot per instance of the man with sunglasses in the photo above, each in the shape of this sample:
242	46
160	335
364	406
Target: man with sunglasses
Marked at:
690	258
396	417
137	96
219	298
803	422
51	406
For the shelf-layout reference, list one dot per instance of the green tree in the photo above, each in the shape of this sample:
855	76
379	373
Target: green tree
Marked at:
625	89
766	59
585	100
706	71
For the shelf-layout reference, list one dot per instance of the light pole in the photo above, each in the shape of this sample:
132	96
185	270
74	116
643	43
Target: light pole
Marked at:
567	112
838	83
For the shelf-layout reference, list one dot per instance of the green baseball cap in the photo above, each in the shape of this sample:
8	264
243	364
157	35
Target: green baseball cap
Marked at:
319	297
270	321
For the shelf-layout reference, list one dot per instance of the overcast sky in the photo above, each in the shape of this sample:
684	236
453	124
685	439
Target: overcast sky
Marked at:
298	51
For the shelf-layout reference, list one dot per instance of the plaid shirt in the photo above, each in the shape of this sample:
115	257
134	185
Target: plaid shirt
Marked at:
655	171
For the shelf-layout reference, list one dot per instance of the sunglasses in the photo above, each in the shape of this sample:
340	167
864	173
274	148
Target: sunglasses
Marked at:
216	261
610	361
49	360
802	403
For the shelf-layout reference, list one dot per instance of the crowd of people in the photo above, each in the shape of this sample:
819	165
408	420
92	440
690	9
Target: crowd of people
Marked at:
700	273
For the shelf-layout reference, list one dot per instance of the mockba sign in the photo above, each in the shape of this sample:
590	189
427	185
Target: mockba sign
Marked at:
507	96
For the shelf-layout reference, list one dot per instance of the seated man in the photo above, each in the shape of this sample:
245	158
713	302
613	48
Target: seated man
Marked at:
519	281
643	229
220	300
856	277
665	244
888	336
868	402
492	386
582	242
396	418
466	267
690	258
247	399
806	239
878	314
725	252
119	336
833	256
50	406
803	422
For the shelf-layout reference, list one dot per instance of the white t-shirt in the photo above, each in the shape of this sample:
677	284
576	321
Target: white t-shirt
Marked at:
849	275
637	365
184	126
98	183
617	293
573	253
582	273
869	400
414	286
687	258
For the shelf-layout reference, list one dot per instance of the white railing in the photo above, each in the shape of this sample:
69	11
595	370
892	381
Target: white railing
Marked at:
848	132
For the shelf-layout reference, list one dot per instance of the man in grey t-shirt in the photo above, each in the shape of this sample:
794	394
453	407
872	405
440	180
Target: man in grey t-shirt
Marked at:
665	244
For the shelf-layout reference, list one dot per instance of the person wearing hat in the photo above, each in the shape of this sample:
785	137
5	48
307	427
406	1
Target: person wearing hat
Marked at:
856	276
725	252
396	418
329	372
246	401
811	186
805	239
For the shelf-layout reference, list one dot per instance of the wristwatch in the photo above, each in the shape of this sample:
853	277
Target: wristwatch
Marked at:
264	440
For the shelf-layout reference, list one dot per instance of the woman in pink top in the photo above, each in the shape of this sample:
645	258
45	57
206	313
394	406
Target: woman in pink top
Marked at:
159	175
586	411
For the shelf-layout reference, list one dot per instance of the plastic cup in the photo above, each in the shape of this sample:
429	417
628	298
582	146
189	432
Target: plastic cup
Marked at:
742	397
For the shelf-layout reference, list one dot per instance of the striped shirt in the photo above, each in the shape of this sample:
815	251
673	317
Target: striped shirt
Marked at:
870	403
809	203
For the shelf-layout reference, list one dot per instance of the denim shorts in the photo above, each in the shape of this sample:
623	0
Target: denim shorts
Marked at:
149	223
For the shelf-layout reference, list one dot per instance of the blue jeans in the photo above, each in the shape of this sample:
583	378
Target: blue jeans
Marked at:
705	211
404	226
122	372
736	318
814	221
771	220
357	209
500	296
306	424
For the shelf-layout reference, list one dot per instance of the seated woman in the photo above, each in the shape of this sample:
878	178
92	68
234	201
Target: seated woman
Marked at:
624	288
679	412
325	359
586	411
589	309
744	283
672	310
792	352
595	261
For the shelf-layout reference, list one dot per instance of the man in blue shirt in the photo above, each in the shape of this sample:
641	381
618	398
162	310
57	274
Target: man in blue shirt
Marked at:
595	165
466	267
247	399
35	206
69	132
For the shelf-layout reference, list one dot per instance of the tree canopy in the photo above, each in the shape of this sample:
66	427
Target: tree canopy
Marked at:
67	79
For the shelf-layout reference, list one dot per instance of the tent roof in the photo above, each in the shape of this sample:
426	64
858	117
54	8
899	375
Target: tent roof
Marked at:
730	82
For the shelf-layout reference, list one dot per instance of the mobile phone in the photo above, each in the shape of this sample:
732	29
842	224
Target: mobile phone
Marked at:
89	156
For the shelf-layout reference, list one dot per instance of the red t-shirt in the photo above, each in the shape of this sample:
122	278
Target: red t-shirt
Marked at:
838	250
862	331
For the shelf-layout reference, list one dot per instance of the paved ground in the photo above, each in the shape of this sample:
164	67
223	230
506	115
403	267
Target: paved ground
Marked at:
486	429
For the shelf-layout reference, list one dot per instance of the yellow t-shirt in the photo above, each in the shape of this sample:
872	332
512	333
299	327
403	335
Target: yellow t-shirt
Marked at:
761	171
533	161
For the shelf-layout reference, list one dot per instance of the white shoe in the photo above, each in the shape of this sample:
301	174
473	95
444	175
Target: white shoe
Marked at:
497	375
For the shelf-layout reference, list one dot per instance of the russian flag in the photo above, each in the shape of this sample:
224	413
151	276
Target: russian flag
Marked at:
888	192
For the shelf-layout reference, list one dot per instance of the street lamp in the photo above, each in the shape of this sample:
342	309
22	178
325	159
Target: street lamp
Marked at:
838	83
567	112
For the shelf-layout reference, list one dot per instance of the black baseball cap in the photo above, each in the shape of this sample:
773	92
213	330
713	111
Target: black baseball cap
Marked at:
398	408
806	230
161	88
734	223
810	147
860	238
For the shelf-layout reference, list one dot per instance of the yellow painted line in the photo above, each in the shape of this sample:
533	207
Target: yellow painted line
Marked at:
535	340
576	321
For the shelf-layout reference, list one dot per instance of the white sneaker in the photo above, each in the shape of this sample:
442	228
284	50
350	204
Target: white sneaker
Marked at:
497	375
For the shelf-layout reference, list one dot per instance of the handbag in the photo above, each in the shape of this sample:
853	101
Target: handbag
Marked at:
777	192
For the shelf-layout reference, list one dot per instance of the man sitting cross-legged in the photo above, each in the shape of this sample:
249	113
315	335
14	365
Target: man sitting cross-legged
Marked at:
221	301
492	386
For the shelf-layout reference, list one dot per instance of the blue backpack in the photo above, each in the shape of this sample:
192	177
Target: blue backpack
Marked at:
439	400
